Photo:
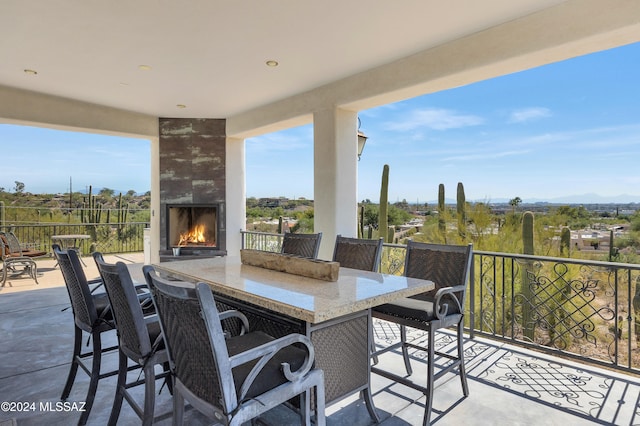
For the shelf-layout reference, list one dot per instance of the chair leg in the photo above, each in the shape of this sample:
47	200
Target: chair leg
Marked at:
320	404
372	341
462	370
305	407
169	377
149	394
33	272
77	346
178	408
368	401
95	376
120	388
405	350
428	404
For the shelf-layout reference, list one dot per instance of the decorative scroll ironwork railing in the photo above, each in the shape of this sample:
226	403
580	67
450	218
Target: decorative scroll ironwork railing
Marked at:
587	310
582	309
104	237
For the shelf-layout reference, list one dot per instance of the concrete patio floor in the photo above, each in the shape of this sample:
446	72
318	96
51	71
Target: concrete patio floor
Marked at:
508	385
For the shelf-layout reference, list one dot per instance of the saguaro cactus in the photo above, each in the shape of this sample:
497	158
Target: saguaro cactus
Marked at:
442	220
462	215
91	214
383	220
527	233
527	269
565	241
613	251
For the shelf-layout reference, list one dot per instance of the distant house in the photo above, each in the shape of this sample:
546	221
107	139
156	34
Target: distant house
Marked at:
272	202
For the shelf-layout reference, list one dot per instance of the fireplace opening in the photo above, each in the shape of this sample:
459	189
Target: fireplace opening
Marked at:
192	226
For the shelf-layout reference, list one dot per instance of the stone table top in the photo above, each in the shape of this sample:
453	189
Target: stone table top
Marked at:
307	299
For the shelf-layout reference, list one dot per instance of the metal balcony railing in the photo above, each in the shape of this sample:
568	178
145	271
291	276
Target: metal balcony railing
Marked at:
106	238
569	307
586	310
264	241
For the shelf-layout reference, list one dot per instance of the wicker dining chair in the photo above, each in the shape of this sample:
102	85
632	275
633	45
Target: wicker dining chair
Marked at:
362	254
235	379
91	314
448	267
305	245
357	253
140	340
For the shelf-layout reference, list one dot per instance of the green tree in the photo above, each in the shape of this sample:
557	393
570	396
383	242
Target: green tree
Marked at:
19	188
305	222
514	203
397	216
402	205
371	215
106	193
480	217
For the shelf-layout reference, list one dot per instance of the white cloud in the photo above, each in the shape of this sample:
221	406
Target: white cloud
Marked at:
436	119
529	114
294	139
486	156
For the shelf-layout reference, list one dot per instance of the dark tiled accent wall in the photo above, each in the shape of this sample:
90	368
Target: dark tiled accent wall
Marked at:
192	167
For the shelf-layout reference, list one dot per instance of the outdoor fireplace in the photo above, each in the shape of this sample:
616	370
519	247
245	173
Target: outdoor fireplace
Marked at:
193	228
192	188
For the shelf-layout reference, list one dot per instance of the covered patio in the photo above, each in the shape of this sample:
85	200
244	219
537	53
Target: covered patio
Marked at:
227	71
247	69
508	385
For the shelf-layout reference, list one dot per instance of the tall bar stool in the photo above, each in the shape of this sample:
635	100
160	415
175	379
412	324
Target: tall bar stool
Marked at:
91	314
448	267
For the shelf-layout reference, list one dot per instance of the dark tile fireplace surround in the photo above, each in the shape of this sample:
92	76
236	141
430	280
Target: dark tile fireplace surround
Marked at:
192	188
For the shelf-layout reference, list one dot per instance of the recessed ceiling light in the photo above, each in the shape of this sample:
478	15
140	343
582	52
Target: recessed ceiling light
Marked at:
144	67
271	63
181	106
30	72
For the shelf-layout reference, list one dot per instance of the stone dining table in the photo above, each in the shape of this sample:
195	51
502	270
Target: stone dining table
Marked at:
335	315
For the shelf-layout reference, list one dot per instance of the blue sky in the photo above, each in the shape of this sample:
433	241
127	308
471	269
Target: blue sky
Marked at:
570	128
45	159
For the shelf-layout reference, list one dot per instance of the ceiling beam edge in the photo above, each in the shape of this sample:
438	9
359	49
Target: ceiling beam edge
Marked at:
570	29
25	107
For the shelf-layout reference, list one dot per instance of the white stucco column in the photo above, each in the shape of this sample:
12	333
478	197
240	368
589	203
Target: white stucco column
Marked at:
335	187
236	193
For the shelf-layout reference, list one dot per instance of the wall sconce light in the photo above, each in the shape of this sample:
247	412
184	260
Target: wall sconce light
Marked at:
362	140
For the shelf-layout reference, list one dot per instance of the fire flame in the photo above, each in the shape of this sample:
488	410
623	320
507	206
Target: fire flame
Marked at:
194	235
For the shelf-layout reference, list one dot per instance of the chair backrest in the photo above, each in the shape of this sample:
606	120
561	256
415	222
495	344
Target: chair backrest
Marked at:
194	337
5	251
358	253
84	309
305	245
17	249
445	265
132	330
12	246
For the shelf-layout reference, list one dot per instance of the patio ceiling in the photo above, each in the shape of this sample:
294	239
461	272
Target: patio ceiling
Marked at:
210	55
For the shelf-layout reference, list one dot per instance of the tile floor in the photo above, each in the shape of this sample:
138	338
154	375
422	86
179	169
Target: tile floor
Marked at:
508	385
